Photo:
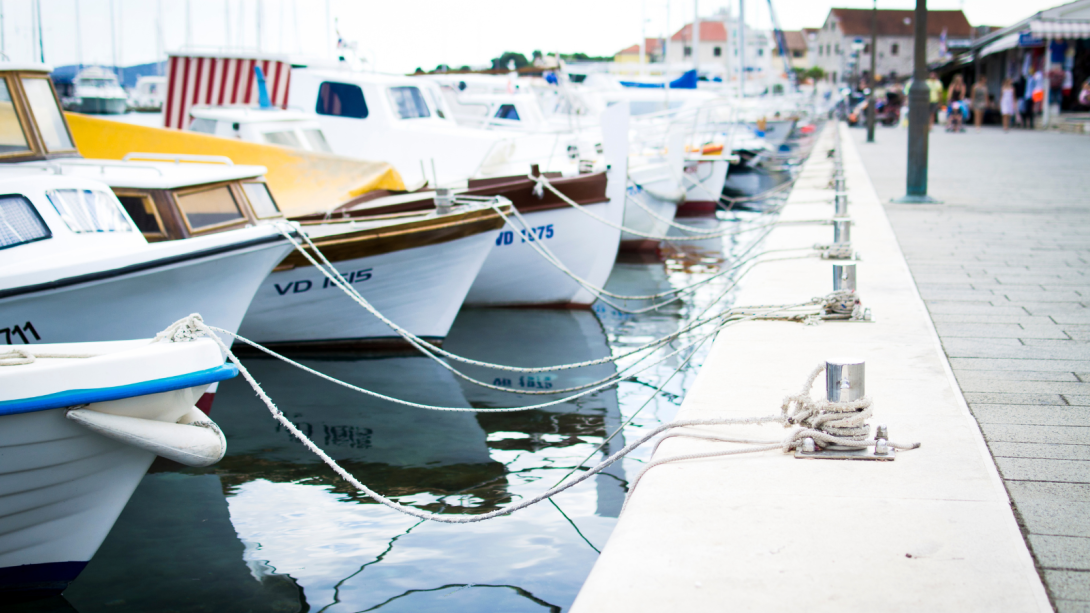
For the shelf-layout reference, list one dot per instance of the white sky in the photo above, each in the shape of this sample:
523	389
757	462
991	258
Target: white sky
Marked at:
400	35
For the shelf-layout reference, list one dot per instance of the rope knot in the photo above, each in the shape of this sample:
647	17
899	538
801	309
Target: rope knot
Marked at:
186	329
16	356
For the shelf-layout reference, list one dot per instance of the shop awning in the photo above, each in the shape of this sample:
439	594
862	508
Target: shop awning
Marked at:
1010	41
1060	28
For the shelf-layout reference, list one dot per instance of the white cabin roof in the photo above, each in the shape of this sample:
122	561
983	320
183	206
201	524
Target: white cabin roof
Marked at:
249	114
25	66
138	174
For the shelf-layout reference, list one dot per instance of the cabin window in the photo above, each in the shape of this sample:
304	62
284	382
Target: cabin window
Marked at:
85	211
47	114
409	102
204	126
507	111
12	137
141	210
341	100
717	51
286	138
317	141
209	207
261	200
20	222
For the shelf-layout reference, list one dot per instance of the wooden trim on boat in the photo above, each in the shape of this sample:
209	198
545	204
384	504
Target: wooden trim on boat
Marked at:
241	201
587	190
431	230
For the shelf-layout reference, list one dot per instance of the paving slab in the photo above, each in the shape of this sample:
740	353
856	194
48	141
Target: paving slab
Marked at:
1027	242
768	532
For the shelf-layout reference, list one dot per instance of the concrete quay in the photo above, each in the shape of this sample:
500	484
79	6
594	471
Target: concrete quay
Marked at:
1004	269
931	531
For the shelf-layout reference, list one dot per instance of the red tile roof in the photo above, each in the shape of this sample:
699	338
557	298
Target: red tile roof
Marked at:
652	45
856	22
710	31
795	40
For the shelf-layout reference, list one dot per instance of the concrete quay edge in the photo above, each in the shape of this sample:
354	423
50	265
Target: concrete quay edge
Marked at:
933	530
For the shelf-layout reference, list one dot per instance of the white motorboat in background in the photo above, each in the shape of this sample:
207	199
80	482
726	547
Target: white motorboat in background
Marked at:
77	434
149	93
96	90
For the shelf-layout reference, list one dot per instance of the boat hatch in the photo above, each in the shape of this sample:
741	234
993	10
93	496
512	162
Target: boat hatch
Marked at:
32	126
20	222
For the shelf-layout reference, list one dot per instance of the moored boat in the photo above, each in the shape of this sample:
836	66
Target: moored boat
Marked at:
80	424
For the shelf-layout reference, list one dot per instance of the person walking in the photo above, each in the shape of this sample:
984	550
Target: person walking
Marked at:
934	86
980	101
955	98
1006	103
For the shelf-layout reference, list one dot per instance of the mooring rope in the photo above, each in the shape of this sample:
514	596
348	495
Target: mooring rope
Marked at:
194	326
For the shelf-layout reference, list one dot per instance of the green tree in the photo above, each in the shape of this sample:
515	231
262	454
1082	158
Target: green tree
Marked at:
502	62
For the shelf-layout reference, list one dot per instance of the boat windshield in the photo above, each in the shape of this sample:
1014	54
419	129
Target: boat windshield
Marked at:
317	141
261	200
209	207
88	211
409	102
20	222
99	83
47	113
12	137
285	138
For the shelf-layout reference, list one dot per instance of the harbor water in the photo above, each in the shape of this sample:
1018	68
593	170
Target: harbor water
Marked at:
271	528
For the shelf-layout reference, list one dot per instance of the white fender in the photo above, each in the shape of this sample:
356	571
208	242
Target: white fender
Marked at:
195	440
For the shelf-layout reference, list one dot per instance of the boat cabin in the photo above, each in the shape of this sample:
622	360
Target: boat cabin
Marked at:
271	126
170	197
166	196
32	126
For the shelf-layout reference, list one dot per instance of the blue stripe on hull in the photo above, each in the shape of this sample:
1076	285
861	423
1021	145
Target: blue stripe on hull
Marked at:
34	581
69	398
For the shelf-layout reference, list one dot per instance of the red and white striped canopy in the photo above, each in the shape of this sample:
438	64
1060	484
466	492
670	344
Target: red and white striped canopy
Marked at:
194	80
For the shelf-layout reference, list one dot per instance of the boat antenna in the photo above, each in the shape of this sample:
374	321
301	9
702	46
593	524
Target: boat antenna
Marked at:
3	51
262	91
41	43
79	38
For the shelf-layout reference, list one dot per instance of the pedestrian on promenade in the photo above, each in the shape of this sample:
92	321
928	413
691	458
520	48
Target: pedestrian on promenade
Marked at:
1006	103
980	101
934	86
1084	95
955	97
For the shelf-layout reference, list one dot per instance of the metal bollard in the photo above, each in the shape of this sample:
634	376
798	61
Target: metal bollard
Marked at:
845	380
841	204
844	277
444	200
842	231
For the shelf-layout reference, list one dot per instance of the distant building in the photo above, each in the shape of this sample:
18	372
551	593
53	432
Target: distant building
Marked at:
797	49
843	42
718	46
653	48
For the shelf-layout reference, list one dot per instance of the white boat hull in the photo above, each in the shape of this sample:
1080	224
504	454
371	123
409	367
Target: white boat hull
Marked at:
658	190
420	289
516	274
704	181
131	305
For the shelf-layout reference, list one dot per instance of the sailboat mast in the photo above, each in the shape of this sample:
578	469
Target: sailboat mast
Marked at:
41	43
79	38
113	35
742	48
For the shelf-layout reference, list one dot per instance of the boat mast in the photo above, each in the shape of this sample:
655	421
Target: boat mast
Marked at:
79	38
742	48
113	35
643	36
3	51
41	43
696	37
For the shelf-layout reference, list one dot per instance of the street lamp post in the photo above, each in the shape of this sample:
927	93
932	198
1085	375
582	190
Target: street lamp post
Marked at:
919	96
871	110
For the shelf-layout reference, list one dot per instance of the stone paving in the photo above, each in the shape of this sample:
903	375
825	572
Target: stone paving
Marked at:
1004	268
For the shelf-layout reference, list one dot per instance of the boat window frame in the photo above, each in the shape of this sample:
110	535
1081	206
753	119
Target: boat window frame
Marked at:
236	191
18	101
28	115
253	211
146	196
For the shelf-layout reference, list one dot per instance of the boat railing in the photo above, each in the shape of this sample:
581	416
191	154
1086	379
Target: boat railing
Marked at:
178	158
58	169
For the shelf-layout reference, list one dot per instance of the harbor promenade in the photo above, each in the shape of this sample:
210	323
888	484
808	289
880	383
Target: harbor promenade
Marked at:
931	531
1003	266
